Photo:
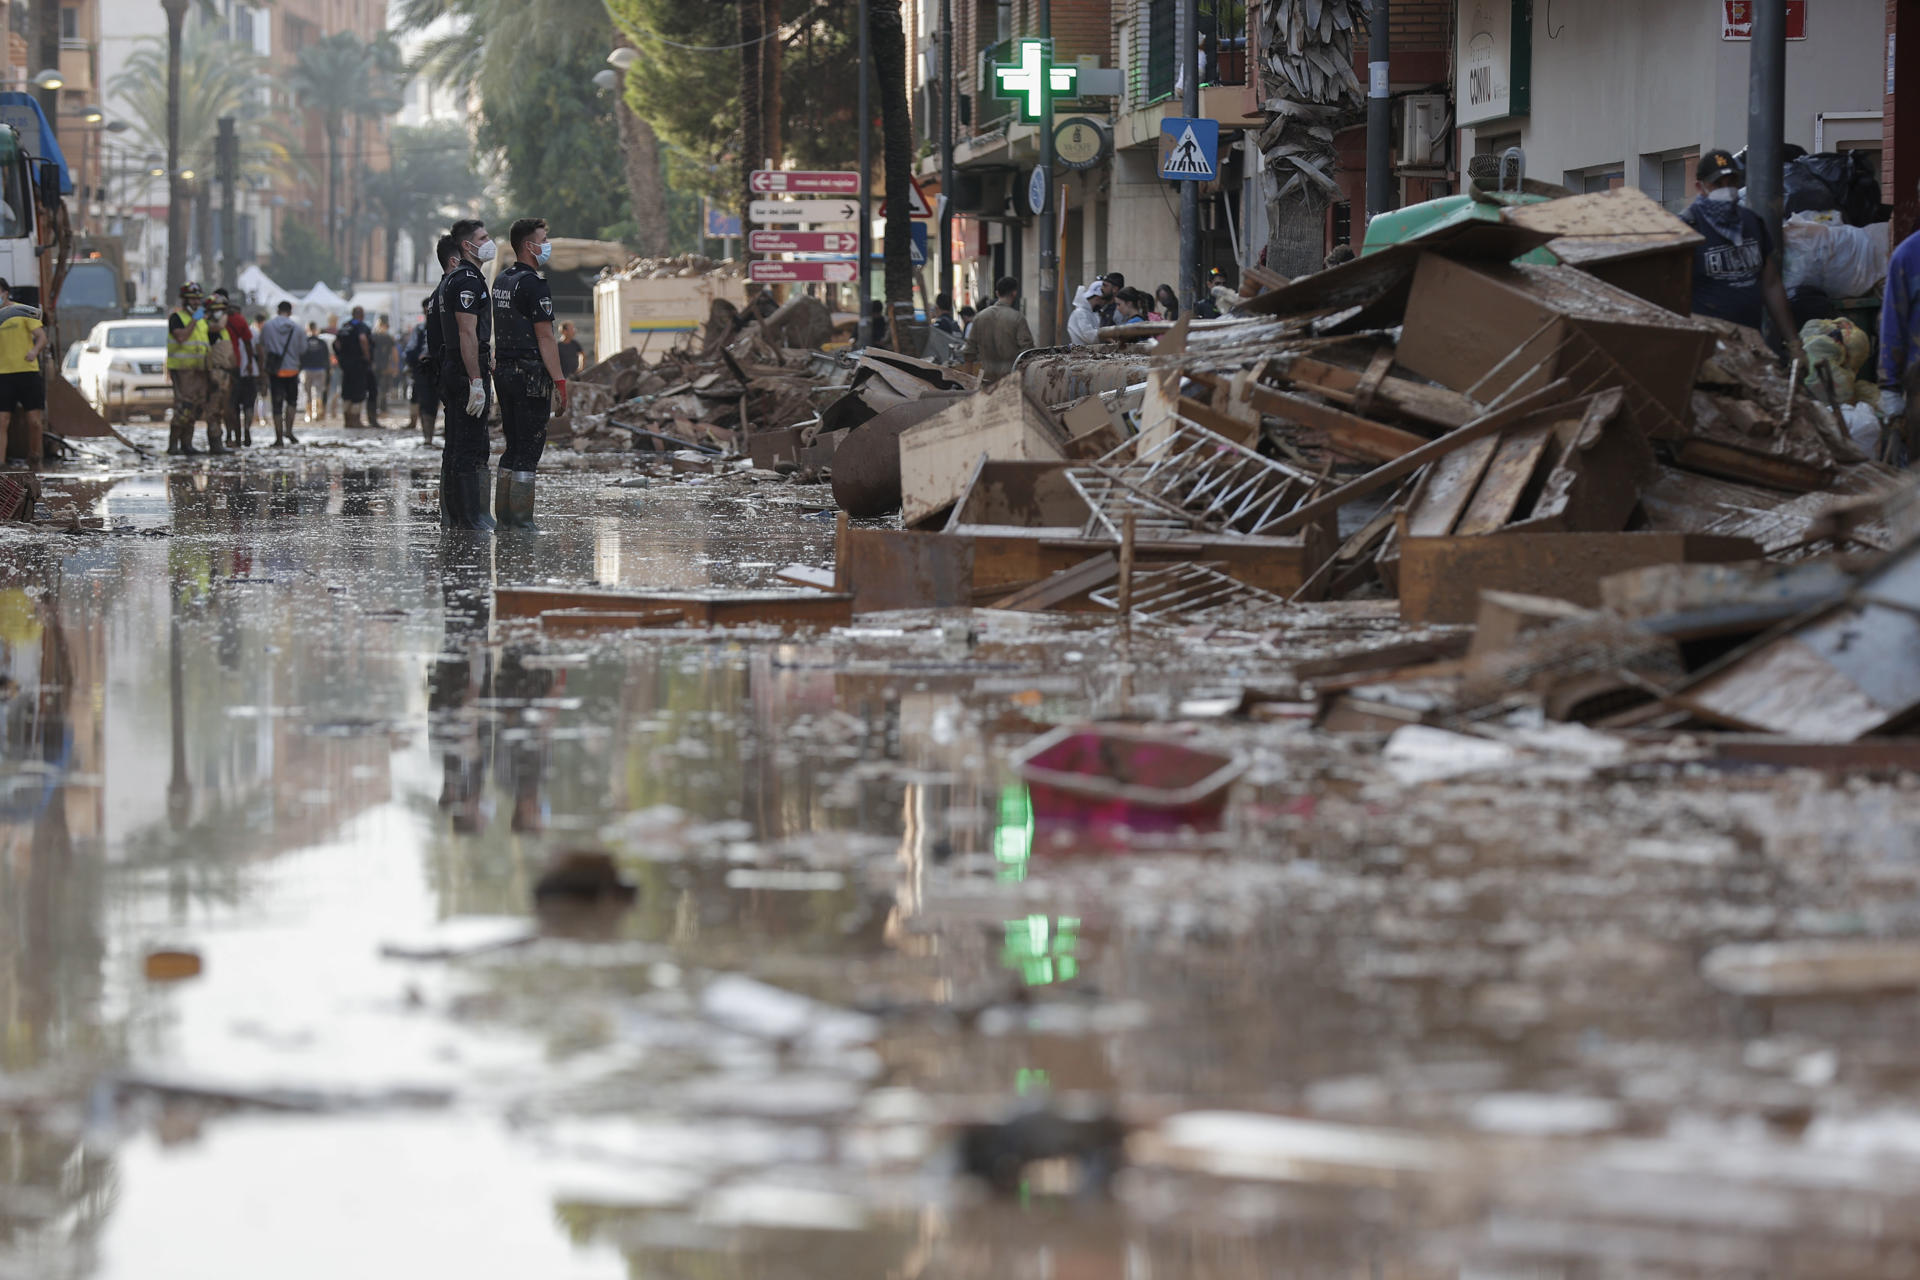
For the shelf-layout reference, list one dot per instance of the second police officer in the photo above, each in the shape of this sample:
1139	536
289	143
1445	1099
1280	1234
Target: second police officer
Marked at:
527	369
466	329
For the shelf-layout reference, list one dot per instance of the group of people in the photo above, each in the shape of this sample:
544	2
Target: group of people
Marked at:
218	362
478	343
474	344
1107	301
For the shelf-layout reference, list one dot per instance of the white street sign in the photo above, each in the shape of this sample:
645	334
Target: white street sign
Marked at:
803	211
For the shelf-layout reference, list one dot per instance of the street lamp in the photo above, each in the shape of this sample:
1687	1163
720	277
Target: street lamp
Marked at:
605	79
50	79
92	113
156	166
624	57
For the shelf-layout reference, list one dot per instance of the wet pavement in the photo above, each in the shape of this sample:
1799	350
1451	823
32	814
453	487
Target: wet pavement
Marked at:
1393	1020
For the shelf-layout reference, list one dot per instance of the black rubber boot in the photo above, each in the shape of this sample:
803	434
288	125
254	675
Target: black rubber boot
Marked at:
520	500
502	504
463	499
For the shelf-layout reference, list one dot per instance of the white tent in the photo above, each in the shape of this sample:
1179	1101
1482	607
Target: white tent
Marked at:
314	307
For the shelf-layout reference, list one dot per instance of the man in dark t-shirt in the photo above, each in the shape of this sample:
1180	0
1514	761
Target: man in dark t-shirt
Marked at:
1736	267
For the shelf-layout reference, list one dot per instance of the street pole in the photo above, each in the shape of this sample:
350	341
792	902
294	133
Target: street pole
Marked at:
1379	114
1049	247
176	206
1190	191
1767	114
946	147
866	183
229	160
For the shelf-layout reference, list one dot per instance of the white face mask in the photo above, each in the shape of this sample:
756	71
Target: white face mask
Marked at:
486	251
1723	194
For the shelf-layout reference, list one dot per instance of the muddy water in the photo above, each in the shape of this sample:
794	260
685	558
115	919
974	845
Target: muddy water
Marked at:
274	723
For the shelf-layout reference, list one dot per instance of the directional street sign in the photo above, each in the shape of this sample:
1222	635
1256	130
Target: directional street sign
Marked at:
803	272
805	211
804	242
1190	149
819	182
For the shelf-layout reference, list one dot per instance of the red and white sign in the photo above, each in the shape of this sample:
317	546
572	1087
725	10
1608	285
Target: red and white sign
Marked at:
819	182
803	242
803	272
916	199
1736	19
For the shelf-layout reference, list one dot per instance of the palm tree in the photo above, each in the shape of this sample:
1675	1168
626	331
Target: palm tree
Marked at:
1307	79
334	76
431	168
214	77
889	37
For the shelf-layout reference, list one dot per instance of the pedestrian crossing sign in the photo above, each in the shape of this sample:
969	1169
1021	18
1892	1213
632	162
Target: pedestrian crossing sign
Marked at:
1190	149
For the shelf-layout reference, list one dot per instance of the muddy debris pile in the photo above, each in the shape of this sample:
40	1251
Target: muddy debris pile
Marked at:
755	372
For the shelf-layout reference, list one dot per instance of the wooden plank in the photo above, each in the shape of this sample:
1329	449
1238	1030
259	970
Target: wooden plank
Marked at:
578	622
1770	472
1438	406
806	575
1347	433
1448	488
1051	592
787	608
937	455
1241	433
1515	464
1440	579
1486	425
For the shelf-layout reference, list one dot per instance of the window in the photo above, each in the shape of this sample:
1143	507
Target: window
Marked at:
91	284
133	336
1223	41
1667	176
243	25
1163	40
1599	177
69	23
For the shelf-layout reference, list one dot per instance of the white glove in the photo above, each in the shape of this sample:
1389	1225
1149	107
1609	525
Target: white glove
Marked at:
476	398
1892	403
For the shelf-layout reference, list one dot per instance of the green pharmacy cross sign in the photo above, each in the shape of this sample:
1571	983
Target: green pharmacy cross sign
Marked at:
1034	78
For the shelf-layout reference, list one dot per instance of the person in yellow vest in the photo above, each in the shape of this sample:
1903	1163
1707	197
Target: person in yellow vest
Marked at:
23	392
188	341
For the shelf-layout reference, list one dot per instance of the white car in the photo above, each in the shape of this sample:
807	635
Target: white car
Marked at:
123	369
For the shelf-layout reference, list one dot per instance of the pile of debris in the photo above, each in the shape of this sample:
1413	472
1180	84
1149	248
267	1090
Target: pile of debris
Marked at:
1491	435
755	373
681	266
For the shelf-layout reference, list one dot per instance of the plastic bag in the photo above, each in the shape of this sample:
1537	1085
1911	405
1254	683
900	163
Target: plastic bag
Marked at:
1839	260
1830	180
1863	427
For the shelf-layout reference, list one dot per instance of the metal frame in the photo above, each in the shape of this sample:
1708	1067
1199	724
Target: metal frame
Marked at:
1192	479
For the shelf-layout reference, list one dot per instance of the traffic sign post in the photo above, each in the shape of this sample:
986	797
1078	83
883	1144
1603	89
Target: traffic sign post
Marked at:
1190	149
804	242
818	182
803	211
843	271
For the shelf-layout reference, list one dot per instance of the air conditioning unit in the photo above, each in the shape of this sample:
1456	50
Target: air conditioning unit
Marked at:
1424	121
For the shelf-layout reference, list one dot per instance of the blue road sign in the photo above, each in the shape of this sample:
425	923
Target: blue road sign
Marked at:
721	224
918	230
1190	149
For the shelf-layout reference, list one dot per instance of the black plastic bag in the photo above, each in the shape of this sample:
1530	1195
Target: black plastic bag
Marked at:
1829	180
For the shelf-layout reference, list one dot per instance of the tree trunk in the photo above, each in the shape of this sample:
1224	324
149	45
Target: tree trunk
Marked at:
770	80
753	134
646	185
333	192
176	213
889	36
1297	233
203	230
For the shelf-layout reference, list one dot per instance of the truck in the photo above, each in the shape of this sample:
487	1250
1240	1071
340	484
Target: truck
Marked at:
95	288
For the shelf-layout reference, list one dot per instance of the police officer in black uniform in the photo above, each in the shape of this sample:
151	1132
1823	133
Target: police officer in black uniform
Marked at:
527	370
466	332
431	357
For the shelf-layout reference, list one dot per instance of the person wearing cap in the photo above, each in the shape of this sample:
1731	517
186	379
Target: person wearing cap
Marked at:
1736	267
188	341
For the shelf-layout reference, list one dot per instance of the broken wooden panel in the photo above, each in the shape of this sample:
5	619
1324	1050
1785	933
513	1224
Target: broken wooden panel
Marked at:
937	456
1622	237
885	569
1440	579
794	609
866	466
1020	494
1447	487
1850	670
1060	589
1347	434
1508	480
1697	601
1750	466
1505	616
1596	481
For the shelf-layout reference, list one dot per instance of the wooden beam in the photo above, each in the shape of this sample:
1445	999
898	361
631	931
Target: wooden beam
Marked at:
1381	476
1063	586
1347	433
1436	405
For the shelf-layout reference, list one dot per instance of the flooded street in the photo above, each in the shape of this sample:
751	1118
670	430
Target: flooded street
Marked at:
1398	1018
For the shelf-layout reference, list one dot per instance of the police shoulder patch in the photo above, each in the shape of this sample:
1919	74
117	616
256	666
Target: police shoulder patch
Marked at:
546	306
466	297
